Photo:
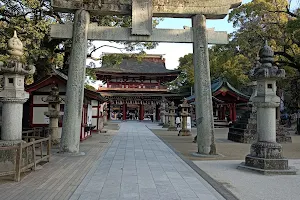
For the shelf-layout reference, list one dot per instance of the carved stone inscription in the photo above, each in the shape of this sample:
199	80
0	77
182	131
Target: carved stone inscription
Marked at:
141	17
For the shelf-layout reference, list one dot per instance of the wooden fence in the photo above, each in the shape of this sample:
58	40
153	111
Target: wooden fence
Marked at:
28	155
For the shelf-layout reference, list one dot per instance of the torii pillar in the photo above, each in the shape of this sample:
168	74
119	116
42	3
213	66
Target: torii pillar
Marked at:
70	137
203	98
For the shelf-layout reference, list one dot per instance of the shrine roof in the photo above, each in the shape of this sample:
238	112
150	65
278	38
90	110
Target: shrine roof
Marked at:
217	86
61	78
148	64
218	83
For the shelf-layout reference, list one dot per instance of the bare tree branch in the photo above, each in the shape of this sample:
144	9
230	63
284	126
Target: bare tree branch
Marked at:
89	55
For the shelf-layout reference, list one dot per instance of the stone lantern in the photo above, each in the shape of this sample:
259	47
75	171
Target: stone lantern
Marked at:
166	114
105	113
162	112
13	95
53	113
185	107
266	154
172	114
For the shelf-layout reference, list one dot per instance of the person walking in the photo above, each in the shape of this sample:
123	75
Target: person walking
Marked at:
178	121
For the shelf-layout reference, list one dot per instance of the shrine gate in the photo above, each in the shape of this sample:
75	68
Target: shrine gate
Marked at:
142	12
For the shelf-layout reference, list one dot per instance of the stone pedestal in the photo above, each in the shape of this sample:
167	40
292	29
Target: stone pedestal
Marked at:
244	129
53	126
12	113
162	118
185	107
12	94
75	86
172	114
101	125
266	154
105	118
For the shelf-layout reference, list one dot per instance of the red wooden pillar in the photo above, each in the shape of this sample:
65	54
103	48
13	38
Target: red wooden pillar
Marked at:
98	115
223	111
142	112
157	112
219	112
124	111
234	112
108	111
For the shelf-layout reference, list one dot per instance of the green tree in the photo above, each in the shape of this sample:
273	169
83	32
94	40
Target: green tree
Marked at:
223	63
262	20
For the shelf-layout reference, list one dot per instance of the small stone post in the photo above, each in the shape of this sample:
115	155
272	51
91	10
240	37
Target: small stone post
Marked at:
75	86
185	107
13	95
266	154
53	113
203	97
172	114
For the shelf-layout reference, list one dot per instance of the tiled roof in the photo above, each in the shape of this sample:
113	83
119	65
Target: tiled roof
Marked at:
144	66
65	78
217	84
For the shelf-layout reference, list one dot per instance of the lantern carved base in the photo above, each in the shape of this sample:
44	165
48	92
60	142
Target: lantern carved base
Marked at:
172	128
184	132
266	158
165	125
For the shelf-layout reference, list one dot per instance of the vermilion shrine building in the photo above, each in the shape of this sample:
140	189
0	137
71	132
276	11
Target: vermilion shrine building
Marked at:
226	98
36	106
135	87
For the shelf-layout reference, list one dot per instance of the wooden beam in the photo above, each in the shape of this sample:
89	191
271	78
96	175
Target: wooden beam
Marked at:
64	31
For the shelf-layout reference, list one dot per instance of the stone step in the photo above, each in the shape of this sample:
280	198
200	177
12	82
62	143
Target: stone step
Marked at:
244	125
241	137
239	130
240	125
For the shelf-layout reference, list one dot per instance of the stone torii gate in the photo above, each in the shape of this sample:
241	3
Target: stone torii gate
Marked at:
142	12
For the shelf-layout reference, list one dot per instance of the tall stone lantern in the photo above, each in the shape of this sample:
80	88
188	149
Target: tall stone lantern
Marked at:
185	108
53	113
266	154
13	95
172	114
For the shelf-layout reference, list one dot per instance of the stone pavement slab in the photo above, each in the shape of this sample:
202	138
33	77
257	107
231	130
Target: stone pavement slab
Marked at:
138	165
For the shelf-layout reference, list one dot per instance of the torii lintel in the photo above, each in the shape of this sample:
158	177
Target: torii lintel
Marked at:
212	9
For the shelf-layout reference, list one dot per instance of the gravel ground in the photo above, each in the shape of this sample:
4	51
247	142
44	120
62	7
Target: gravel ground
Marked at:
248	185
227	149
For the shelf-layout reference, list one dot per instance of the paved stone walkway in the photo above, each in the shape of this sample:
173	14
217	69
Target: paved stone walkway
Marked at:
59	178
138	165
